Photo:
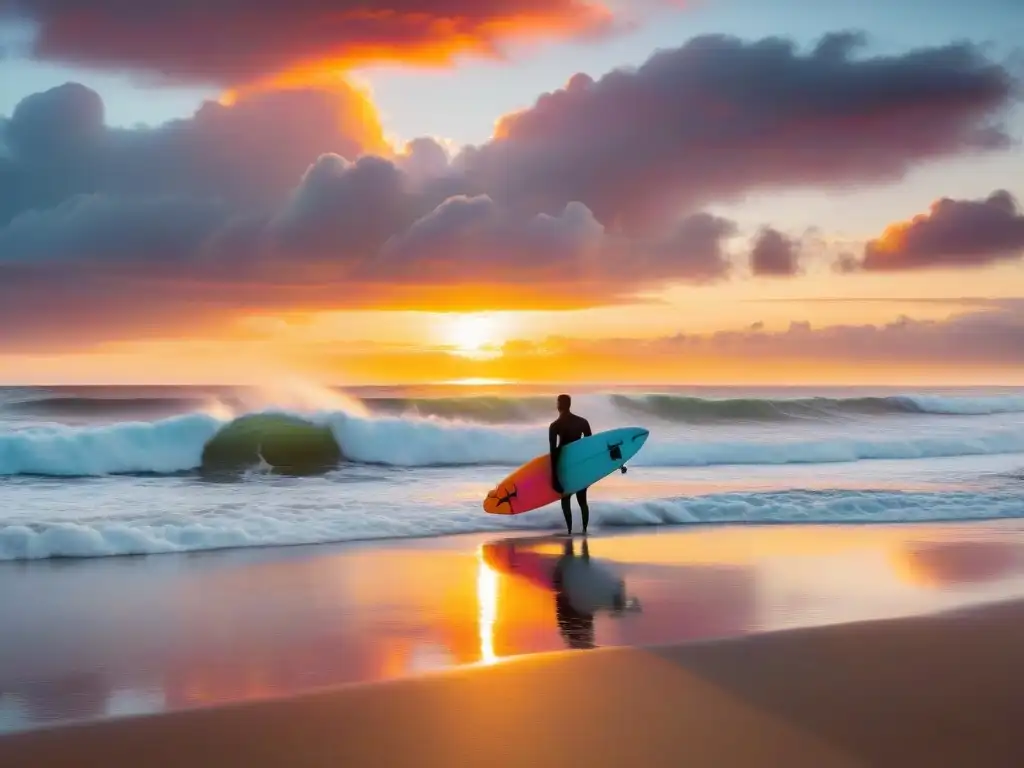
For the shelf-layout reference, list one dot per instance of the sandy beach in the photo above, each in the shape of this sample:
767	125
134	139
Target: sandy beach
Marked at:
942	690
813	645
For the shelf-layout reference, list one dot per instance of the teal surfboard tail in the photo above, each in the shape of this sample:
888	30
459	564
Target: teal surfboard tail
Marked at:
583	463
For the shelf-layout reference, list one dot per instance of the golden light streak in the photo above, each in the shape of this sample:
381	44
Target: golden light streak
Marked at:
487	602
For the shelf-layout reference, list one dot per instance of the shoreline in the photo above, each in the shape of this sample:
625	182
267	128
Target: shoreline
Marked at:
940	689
597	532
98	638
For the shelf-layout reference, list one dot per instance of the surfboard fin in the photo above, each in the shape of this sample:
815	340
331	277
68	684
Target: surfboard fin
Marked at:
622	469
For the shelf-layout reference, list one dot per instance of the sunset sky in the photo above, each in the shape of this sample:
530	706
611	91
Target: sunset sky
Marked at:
652	191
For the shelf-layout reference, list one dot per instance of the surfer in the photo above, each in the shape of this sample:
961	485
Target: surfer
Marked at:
568	428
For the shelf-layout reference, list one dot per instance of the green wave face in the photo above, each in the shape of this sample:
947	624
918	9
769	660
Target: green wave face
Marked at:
287	443
697	410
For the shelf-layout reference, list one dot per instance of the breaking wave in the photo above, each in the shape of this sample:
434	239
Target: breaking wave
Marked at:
531	409
698	409
288	443
204	441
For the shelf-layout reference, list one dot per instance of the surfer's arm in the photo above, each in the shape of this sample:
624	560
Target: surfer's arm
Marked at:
586	429
555	448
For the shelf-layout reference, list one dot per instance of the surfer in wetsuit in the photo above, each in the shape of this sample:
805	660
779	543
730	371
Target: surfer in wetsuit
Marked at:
567	428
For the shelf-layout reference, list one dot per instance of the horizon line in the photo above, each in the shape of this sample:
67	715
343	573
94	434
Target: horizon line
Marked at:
510	383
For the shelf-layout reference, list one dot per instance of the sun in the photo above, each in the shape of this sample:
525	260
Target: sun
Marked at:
476	335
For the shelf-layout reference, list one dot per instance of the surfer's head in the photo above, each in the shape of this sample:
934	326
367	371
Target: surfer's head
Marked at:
564	402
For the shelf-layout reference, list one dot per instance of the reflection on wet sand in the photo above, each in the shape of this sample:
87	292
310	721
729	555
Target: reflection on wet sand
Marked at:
119	635
487	600
944	563
581	585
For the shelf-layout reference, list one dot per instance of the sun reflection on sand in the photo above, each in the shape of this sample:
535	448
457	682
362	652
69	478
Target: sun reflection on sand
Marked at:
487	603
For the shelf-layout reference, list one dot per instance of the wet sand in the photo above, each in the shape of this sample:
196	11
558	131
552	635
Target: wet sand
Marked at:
940	691
99	640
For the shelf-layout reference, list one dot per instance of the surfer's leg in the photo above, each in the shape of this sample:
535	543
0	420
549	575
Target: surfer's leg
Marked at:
581	497
567	511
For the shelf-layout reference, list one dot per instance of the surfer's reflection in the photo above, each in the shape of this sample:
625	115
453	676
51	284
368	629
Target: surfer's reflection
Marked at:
575	625
582	586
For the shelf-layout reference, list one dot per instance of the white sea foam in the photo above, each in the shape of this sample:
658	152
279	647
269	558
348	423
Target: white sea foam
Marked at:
965	406
162	447
248	525
176	444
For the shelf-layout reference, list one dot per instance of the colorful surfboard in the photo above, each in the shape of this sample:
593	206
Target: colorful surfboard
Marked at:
581	464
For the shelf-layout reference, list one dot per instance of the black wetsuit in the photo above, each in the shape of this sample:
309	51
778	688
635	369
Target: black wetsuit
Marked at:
568	428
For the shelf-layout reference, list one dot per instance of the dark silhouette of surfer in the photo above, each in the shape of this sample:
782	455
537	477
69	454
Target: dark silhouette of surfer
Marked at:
575	627
581	587
568	428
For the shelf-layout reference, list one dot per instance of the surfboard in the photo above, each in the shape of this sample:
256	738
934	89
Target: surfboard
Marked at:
580	465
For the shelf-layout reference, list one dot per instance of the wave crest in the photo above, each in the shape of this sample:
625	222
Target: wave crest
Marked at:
197	441
496	409
161	447
708	410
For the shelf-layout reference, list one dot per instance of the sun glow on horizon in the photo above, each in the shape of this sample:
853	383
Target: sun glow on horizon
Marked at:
479	381
475	335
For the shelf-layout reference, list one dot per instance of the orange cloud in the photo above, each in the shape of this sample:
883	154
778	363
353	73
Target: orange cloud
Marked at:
235	42
894	237
954	233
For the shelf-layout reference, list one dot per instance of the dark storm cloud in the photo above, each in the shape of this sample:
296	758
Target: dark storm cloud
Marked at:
774	255
233	41
696	245
718	117
953	234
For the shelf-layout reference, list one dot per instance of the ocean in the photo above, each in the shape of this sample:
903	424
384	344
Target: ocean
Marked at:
116	470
